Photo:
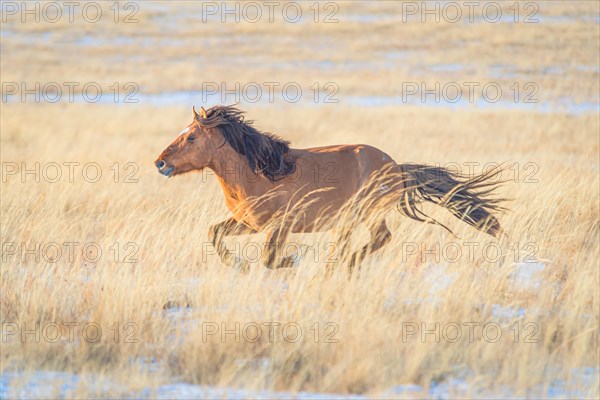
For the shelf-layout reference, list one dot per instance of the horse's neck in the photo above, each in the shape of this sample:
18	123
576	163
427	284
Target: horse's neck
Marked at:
235	176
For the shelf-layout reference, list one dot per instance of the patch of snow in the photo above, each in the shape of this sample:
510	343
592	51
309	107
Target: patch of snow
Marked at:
582	385
527	275
51	384
504	312
438	278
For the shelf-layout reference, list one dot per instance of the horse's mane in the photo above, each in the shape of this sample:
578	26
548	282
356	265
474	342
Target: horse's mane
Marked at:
266	153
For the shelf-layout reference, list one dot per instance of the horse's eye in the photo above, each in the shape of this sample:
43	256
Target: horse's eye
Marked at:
191	138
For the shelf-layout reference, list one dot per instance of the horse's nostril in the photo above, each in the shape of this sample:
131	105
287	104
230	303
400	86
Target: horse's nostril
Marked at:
160	164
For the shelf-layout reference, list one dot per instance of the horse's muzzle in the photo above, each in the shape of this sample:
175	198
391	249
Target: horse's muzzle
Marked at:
163	168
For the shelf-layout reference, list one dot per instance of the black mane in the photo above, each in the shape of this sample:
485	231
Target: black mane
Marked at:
267	154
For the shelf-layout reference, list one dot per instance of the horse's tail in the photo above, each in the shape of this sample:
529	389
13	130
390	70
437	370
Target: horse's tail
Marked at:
467	198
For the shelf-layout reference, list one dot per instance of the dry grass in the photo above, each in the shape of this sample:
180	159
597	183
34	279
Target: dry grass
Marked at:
167	220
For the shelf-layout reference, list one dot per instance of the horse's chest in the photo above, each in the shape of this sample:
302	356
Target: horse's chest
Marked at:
234	204
251	212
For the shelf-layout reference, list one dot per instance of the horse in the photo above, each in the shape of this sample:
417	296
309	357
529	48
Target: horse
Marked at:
273	188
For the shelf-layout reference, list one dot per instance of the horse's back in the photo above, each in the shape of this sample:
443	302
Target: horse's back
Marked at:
358	161
341	148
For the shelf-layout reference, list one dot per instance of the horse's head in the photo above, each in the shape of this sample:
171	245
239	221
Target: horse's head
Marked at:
202	144
191	150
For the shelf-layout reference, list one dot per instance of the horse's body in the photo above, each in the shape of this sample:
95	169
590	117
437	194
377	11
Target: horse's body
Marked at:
324	180
273	188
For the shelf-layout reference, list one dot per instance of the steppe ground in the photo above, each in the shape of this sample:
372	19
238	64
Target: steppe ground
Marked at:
162	290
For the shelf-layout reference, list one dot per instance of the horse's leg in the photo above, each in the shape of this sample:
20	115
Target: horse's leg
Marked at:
380	236
272	253
343	241
229	227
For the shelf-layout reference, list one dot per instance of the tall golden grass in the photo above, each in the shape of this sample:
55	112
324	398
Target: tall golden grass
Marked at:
167	220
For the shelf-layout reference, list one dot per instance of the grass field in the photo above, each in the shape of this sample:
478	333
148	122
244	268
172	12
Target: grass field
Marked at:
109	287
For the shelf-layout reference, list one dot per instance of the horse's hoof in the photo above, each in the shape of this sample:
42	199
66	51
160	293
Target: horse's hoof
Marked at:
289	262
295	259
175	304
241	265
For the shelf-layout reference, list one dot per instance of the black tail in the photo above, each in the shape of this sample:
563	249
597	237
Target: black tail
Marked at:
467	198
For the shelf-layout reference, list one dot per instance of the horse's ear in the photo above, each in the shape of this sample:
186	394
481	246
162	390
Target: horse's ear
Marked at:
202	113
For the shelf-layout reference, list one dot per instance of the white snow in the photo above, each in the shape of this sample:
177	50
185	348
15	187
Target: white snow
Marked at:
50	384
527	275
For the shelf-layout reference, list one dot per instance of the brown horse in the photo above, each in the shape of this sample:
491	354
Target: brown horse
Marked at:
271	187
